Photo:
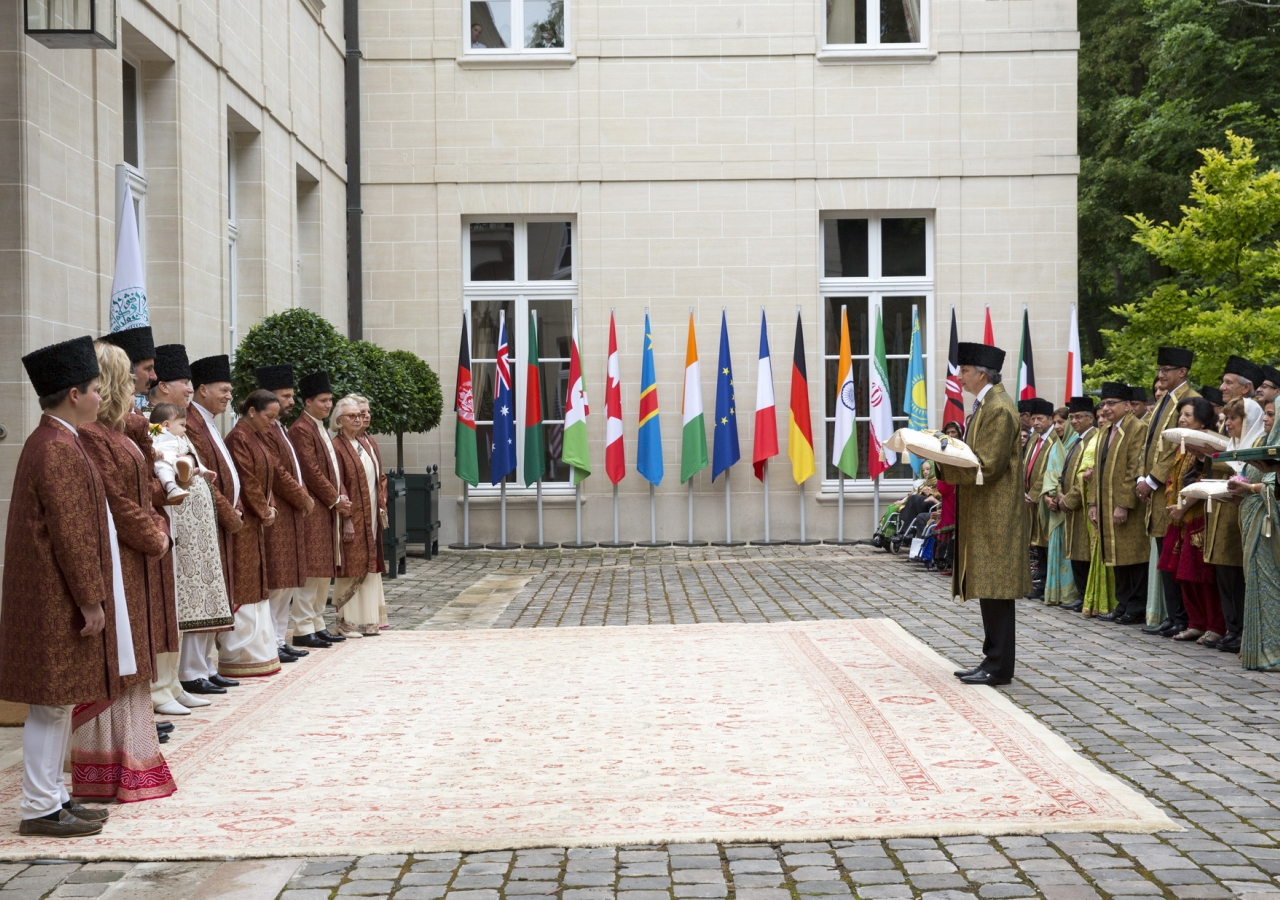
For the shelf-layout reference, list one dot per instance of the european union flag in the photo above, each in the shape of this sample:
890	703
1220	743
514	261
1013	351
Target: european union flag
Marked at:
726	434
503	449
649	449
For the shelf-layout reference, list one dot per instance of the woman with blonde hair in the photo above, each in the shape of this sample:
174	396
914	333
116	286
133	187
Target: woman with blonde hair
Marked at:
357	591
115	751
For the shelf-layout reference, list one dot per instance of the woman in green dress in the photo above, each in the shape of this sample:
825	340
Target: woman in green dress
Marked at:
1260	530
1059	583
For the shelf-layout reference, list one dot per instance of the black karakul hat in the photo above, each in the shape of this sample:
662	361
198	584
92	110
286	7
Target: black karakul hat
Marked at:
1024	407
171	362
271	378
970	354
211	370
60	366
1238	365
137	342
1038	406
1137	393
1212	394
1178	357
1115	390
313	385
1271	374
1081	404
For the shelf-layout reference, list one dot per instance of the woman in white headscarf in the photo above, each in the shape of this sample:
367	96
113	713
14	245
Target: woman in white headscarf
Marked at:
1244	427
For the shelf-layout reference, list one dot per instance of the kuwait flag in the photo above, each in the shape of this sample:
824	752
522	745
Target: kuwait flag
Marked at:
465	464
534	454
880	459
844	449
765	443
615	461
575	453
1026	365
1075	383
800	430
953	411
693	442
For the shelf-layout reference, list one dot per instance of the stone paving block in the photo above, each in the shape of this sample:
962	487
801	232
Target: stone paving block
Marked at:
698	876
588	894
885	892
431	865
693	849
419	892
91	889
25	893
475	882
592	853
912	844
815	873
534	874
530	887
744	853
643	895
1002	891
325	866
591	865
699	891
482	868
761	894
1237	873
641	869
937	882
311	894
860	850
1146	888
382	860
755	867
492	856
805	847
94	876
758	881
822	887
360	888
910	855
701	862
809	859
590	879
640	856
1069	892
1199	892
948	895
374	872
643	884
865	863
986	861
877	877
930	868
318	881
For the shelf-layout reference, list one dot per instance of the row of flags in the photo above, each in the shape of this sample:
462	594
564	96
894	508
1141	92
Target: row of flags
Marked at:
725	450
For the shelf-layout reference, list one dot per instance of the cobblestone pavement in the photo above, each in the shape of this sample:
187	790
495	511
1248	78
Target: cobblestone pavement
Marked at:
1184	725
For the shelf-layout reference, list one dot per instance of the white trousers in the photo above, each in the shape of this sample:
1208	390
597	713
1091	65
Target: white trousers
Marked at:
46	740
280	600
308	606
165	686
197	656
251	648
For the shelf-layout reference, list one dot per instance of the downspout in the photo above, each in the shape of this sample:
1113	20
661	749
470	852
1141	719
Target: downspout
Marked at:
355	254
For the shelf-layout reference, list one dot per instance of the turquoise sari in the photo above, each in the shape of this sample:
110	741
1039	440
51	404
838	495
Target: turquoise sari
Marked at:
1260	530
1059	581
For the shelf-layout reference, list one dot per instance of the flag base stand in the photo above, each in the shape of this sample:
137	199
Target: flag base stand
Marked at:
840	542
577	545
500	545
728	543
615	545
538	545
767	543
688	543
802	543
650	545
466	546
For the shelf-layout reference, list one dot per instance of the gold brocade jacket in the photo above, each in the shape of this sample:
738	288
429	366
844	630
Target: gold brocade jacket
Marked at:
1072	491
1115	480
1158	456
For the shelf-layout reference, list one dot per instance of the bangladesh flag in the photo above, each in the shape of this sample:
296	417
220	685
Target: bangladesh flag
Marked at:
535	459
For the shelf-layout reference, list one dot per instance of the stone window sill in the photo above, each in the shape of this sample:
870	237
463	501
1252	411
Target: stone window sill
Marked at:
878	55
517	60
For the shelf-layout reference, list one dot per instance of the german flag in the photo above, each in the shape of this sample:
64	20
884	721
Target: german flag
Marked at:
800	430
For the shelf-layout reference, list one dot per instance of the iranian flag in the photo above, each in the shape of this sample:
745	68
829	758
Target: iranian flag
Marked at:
575	452
879	459
844	450
1075	382
615	460
693	452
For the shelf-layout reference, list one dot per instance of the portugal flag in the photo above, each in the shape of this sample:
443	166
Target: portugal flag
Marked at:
800	430
465	464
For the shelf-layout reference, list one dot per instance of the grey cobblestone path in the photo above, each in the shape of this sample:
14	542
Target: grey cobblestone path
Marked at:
1183	725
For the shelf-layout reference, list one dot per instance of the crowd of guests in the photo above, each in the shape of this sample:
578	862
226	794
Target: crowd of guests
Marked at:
152	561
1114	536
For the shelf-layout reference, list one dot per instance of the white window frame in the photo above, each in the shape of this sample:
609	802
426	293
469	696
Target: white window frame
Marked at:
876	288
517	32
873	49
519	293
136	176
233	257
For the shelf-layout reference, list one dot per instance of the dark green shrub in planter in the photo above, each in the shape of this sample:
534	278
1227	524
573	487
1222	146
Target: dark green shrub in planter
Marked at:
425	401
304	339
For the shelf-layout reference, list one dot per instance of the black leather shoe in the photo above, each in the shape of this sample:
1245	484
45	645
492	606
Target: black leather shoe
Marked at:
164	727
1229	646
964	673
295	652
1156	629
1130	619
1171	629
1074	607
162	738
985	678
224	682
327	635
202	686
286	658
314	641
1109	617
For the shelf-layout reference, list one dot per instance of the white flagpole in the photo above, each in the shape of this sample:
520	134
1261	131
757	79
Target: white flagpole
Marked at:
615	514
766	503
728	510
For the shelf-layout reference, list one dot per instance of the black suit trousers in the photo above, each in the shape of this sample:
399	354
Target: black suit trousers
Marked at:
1231	590
1174	610
999	638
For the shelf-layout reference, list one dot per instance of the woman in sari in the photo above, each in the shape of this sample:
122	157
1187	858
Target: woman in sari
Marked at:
115	752
357	591
1059	582
1100	591
1260	531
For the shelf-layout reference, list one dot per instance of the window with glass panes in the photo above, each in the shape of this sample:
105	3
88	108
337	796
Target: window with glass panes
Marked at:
515	267
515	26
874	262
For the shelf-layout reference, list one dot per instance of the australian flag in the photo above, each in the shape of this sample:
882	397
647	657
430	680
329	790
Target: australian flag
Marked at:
503	461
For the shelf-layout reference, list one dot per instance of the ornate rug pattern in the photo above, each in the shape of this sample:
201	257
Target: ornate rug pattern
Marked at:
475	740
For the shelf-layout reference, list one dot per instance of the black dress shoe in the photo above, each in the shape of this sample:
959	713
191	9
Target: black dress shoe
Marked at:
1156	629
1171	629
202	686
1130	619
295	652
162	738
1074	607
1108	617
286	657
223	682
1231	646
963	673
164	727
314	641
327	635
985	678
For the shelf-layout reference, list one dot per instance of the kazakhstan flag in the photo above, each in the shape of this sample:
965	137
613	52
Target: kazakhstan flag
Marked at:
916	403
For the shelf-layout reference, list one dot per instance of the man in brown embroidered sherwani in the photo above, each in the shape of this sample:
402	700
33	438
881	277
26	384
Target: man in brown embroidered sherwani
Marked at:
57	615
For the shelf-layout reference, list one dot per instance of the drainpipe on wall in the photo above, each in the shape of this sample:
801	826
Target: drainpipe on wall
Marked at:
355	256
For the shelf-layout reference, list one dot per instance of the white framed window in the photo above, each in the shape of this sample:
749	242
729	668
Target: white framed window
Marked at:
132	130
517	265
503	27
869	262
860	25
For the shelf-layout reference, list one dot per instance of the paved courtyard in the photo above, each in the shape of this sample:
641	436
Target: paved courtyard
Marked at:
1184	725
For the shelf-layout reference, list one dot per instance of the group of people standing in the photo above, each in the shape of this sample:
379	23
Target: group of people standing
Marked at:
1111	533
151	561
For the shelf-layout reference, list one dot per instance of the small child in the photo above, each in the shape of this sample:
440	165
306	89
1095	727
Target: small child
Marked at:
175	458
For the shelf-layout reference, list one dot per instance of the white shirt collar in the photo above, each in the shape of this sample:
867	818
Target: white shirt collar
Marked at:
221	447
63	422
982	393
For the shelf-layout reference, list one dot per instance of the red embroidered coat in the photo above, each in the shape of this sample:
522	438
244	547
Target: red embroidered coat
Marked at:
286	539
364	554
57	558
257	478
321	481
223	494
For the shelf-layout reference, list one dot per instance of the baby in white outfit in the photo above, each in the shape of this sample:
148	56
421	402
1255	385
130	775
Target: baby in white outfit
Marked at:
175	457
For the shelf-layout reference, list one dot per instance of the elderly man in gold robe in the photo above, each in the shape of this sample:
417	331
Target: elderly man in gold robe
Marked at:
991	525
1114	509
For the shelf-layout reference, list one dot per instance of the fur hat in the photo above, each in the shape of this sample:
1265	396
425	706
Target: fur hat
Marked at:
171	362
211	370
1137	393
1212	394
1081	405
271	378
1271	374
1178	357
1024	407
137	342
60	366
313	385
969	354
1238	365
1038	406
1115	390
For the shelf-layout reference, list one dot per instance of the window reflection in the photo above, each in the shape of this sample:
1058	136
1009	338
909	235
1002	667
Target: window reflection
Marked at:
544	23
902	247
550	251
491	25
493	251
845	248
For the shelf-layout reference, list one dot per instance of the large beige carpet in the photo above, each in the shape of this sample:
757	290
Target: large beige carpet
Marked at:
588	736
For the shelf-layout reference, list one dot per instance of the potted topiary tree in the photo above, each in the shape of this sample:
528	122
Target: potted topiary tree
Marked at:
305	340
422	497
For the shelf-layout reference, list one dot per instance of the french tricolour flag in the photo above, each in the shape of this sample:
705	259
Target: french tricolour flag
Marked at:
765	444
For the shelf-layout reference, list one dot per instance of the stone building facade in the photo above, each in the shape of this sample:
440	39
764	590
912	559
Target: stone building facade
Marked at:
713	157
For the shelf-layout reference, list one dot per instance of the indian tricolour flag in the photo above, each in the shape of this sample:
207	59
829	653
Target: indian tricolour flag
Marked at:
693	444
844	449
575	453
